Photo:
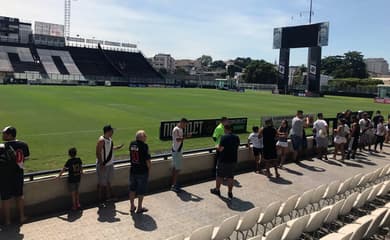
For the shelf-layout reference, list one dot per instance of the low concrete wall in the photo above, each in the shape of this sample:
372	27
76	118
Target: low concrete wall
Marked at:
51	195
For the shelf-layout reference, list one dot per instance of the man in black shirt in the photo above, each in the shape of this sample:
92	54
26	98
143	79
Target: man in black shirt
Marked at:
12	174
140	161
227	160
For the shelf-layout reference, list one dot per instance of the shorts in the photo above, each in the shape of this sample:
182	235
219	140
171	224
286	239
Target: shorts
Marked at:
105	175
12	187
177	158
73	187
225	170
322	142
340	140
138	183
282	144
257	151
297	142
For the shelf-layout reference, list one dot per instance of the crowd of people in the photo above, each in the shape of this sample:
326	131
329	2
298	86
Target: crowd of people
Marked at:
350	133
269	145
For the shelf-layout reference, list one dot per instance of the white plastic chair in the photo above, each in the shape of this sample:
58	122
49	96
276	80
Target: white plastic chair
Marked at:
363	182
333	213
374	192
258	237
268	215
247	222
202	233
361	200
226	229
354	183
337	236
315	222
344	186
376	217
331	191
375	176
276	233
385	189
348	205
295	228
287	207
303	202
357	230
317	196
177	237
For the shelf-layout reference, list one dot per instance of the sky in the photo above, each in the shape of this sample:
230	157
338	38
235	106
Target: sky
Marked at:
224	29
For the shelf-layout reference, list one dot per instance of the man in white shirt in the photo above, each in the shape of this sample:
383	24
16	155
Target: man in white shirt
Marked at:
365	131
321	132
177	151
105	163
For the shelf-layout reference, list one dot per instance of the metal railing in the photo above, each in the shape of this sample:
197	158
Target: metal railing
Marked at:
33	175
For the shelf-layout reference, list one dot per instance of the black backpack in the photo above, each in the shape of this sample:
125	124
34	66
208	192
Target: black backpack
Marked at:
7	157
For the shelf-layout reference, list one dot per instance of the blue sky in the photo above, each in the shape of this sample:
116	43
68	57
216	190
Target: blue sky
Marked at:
223	29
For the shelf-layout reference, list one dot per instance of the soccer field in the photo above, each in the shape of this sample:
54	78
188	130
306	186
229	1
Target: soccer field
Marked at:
52	119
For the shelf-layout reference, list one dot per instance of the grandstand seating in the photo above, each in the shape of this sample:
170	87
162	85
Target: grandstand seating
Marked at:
18	59
132	65
89	63
367	193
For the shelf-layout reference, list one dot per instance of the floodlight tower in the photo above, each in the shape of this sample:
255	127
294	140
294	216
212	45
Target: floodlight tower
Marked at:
67	17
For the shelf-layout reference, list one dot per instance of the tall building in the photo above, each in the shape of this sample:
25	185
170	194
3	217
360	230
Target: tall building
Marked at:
13	30
164	61
377	66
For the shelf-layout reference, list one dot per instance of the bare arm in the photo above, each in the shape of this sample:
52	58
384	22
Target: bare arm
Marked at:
99	148
118	147
149	164
61	172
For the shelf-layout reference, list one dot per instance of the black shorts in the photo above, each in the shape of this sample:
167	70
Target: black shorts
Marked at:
138	183
257	151
225	170
12	187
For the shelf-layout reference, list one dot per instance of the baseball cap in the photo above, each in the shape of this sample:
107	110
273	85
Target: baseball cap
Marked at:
10	130
107	128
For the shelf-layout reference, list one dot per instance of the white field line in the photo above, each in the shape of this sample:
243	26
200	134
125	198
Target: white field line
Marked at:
69	133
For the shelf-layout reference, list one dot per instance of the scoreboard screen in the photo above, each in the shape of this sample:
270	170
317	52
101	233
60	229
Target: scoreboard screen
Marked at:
313	35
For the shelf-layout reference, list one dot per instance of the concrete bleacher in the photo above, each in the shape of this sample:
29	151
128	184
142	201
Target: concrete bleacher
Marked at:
23	55
46	57
133	65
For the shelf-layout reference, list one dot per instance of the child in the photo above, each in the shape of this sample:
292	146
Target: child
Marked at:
257	144
75	170
380	134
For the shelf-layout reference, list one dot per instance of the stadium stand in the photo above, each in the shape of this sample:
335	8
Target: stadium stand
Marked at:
56	64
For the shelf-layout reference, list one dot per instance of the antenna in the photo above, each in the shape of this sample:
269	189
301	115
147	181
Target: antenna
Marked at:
311	10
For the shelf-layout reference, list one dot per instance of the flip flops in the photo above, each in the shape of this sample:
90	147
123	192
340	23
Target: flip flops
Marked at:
142	210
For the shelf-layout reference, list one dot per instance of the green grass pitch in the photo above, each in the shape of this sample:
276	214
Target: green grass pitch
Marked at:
52	119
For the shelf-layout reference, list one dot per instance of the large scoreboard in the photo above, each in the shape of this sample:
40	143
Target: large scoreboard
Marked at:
303	36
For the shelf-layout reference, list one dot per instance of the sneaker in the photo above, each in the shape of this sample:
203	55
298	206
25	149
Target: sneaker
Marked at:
175	188
215	192
230	195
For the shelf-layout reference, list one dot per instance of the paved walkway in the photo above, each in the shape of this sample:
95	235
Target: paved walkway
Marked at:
171	213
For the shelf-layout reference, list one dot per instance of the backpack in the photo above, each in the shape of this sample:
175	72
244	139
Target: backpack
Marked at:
7	157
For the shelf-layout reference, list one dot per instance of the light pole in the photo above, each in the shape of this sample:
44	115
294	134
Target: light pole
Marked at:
311	10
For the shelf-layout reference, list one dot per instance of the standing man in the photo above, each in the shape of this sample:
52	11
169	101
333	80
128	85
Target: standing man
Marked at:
177	151
140	160
296	133
13	154
105	163
365	132
321	132
227	161
219	131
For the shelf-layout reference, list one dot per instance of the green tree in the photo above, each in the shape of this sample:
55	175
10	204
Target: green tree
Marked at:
260	71
232	69
350	65
242	62
205	60
218	64
163	71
